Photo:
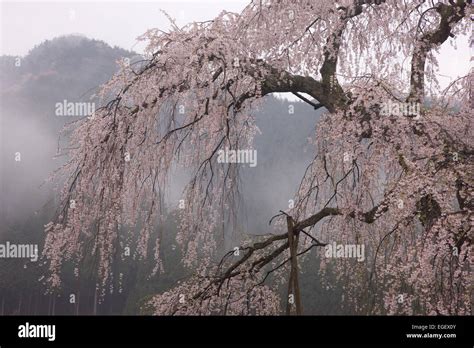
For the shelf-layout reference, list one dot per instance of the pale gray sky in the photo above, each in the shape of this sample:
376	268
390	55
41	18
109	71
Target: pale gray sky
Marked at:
25	24
28	23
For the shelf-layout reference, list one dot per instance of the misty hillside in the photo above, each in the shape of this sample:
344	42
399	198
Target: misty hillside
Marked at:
68	67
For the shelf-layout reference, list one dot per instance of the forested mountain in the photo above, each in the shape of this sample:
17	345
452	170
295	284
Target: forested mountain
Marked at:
65	68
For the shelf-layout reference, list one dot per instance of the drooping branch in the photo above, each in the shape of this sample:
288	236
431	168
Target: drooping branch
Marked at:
252	263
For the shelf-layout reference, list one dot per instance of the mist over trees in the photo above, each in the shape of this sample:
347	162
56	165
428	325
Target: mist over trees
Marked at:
72	68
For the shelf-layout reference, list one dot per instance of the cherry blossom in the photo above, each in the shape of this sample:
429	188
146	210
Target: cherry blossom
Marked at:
399	183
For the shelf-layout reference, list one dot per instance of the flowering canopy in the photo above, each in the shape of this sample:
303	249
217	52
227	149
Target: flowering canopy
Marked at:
391	167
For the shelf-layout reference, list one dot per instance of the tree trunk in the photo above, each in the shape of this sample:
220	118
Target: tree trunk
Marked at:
293	283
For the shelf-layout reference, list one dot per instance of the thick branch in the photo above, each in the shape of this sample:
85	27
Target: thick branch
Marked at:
314	219
450	15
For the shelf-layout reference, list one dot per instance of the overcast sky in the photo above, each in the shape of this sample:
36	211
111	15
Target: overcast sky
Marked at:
28	23
25	24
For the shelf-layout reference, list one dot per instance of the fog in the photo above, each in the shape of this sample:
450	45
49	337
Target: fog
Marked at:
60	69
